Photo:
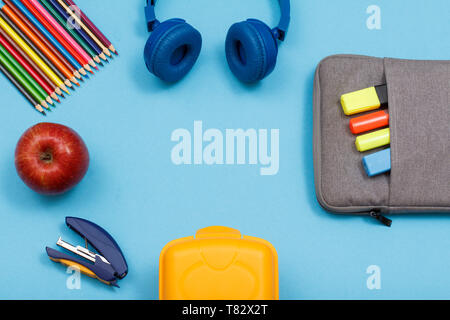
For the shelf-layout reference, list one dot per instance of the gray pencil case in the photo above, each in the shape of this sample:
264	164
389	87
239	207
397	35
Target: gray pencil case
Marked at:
419	121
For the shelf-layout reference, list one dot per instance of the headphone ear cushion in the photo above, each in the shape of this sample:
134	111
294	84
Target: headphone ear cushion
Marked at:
251	50
172	50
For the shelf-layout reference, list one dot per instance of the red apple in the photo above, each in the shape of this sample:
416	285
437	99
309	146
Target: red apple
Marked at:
51	158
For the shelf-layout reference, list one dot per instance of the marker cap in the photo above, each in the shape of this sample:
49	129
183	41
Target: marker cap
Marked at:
369	122
377	163
364	100
373	140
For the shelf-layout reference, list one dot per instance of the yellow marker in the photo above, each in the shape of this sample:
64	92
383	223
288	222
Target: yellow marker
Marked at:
21	43
373	140
364	100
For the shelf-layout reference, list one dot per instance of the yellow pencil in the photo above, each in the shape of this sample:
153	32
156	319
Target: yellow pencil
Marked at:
45	68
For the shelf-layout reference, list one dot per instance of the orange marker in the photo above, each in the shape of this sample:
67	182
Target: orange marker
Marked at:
369	122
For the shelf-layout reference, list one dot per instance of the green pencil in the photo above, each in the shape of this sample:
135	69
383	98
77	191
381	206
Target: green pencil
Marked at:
26	75
21	79
22	90
72	32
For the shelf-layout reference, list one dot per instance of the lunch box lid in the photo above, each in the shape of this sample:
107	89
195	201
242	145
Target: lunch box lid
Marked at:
218	264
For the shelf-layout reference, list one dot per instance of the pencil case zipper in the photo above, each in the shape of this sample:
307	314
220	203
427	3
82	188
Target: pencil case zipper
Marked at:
374	213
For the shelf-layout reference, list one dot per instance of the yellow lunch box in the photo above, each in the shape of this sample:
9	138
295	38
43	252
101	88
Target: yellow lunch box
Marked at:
218	264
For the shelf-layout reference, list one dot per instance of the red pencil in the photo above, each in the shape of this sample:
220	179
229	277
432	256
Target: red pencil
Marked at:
57	36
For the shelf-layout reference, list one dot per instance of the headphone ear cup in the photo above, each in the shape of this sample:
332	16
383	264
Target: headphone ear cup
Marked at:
172	50
251	50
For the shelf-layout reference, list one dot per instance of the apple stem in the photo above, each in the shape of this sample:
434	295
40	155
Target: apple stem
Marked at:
46	156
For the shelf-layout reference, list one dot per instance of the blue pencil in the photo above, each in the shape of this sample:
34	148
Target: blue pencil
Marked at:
78	30
50	38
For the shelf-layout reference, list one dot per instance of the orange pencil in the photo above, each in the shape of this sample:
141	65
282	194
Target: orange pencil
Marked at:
39	44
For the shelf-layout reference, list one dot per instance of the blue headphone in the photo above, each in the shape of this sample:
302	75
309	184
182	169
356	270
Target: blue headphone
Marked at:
251	46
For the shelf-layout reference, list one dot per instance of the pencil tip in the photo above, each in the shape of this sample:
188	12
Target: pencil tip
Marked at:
113	49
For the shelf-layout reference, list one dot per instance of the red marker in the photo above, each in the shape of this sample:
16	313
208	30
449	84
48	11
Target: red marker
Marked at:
369	122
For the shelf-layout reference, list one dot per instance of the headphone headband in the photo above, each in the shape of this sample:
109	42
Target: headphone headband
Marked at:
285	20
280	30
150	14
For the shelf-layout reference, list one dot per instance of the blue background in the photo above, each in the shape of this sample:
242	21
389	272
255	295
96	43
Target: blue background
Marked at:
126	117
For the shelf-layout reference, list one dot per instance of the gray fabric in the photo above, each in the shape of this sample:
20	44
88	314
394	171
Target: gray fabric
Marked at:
343	182
419	114
419	108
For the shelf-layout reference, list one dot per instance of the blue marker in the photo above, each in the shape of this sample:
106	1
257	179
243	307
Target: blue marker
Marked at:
47	34
377	163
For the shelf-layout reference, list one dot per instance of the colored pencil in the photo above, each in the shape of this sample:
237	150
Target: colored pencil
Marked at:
60	30
77	29
15	64
26	38
56	35
83	26
70	31
23	54
56	80
43	39
22	90
45	45
28	68
27	27
24	83
91	26
32	19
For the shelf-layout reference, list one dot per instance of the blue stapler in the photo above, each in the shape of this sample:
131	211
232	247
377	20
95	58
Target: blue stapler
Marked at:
108	266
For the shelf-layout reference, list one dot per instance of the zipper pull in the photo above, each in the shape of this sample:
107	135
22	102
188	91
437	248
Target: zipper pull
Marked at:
387	222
